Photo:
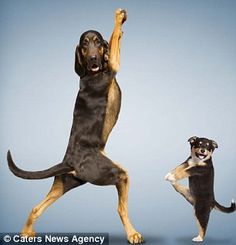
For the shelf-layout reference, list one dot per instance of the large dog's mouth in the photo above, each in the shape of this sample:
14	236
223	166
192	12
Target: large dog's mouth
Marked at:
200	155
95	68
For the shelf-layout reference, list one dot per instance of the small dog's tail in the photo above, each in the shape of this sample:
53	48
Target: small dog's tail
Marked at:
58	169
221	208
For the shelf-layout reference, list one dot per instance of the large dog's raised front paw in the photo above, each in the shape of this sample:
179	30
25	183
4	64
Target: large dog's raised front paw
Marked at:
28	233
135	238
121	16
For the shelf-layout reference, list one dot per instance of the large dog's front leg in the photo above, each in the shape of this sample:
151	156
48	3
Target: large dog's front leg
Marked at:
123	184
114	43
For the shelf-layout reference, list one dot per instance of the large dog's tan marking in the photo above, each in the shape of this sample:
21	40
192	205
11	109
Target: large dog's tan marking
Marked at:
113	100
112	109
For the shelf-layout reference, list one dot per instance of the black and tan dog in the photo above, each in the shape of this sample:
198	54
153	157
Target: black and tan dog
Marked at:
199	169
95	114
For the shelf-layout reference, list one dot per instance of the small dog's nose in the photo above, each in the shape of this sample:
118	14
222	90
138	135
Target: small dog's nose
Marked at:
202	151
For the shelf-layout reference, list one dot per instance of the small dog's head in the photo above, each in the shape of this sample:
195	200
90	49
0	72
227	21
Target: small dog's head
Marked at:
91	55
202	148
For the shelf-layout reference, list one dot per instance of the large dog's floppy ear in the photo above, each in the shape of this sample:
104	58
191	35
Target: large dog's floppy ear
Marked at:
79	68
106	51
192	139
215	145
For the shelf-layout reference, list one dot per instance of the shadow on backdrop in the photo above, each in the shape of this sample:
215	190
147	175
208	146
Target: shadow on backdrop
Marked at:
209	240
116	239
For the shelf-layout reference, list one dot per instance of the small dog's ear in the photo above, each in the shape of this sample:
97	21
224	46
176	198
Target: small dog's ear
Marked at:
192	139
215	145
79	68
106	51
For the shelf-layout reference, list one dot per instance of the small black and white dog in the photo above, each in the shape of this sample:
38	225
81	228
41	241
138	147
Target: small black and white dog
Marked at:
199	169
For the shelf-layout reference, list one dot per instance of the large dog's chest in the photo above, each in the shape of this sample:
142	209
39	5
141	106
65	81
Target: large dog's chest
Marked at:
96	110
112	109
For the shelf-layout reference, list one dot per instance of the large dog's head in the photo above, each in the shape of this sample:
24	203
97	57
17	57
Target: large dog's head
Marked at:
202	148
91	55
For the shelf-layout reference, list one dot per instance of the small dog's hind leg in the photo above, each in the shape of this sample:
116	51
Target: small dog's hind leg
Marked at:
61	185
202	217
184	191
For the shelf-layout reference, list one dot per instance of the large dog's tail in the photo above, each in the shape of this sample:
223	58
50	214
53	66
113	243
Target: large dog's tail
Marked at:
58	169
221	208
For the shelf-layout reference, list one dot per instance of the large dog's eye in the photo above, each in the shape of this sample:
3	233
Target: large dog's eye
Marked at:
84	51
97	42
85	42
100	49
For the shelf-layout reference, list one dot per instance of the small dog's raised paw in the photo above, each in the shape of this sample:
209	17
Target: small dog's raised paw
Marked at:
170	177
135	238
197	239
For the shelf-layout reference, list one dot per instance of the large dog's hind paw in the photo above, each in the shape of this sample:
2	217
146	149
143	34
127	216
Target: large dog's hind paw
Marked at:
28	233
197	239
135	238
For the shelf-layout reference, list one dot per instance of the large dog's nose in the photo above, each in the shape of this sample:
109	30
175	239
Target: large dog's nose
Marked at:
93	58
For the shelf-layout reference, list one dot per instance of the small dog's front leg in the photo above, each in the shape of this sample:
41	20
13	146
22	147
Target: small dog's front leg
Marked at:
185	170
177	173
170	177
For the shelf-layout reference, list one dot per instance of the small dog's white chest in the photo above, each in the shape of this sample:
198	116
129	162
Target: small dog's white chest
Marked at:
194	161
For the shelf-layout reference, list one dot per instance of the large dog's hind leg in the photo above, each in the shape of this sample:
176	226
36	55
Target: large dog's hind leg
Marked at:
123	187
184	191
100	170
61	185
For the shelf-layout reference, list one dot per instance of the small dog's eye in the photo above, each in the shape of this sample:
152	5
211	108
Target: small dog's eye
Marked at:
200	142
